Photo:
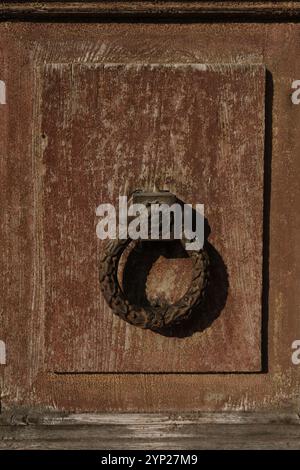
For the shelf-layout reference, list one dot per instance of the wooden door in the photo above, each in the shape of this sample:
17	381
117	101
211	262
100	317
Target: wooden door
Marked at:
94	110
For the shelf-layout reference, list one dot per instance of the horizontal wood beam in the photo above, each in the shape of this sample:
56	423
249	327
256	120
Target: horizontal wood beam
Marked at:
146	431
135	10
19	416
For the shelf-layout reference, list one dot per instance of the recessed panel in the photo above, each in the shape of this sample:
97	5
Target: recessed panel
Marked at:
104	130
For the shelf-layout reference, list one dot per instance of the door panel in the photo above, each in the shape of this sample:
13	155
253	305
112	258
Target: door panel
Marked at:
36	373
105	130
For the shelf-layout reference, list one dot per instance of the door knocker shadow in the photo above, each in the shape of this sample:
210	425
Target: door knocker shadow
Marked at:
137	269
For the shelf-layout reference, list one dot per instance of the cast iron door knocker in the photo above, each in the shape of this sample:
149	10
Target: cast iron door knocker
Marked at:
155	318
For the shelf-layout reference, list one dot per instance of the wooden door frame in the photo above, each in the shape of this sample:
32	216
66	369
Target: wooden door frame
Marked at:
27	428
139	10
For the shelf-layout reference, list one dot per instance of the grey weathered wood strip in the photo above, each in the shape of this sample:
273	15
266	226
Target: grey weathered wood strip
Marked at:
119	432
19	416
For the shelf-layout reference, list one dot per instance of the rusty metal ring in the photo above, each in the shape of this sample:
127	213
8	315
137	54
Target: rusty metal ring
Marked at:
154	318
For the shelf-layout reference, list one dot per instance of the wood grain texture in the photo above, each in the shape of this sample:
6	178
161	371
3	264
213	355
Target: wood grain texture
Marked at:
3	178
208	436
187	10
25	380
125	431
106	130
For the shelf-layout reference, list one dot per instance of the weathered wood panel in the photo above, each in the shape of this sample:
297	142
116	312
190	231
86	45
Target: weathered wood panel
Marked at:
25	382
125	431
106	130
